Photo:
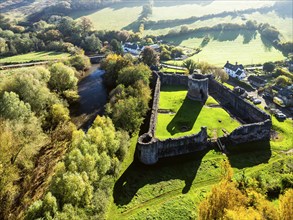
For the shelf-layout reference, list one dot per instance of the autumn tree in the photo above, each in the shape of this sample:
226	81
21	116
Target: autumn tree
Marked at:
286	205
220	75
150	57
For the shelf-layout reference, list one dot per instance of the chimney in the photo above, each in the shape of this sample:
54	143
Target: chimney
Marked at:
236	63
227	61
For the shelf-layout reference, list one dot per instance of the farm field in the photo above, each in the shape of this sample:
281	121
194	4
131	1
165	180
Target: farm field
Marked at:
112	18
190	114
244	47
35	56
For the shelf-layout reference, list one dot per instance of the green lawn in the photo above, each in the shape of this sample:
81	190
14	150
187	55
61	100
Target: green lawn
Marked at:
190	114
35	56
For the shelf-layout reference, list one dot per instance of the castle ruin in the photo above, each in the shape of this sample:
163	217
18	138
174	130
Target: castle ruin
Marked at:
256	124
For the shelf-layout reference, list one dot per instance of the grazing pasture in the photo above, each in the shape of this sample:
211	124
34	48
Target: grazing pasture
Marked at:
35	56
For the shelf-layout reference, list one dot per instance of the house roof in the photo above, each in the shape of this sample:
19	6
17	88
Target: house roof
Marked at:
233	67
256	79
239	72
131	46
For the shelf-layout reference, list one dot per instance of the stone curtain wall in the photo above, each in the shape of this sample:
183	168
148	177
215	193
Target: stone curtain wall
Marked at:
183	145
151	149
173	79
155	106
246	111
251	132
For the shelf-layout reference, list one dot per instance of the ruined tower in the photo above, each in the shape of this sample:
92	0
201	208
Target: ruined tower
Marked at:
198	87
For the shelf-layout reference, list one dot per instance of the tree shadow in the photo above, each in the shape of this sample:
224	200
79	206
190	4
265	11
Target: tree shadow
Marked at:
248	36
185	117
138	175
249	154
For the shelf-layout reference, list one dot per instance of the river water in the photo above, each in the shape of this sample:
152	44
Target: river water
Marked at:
93	97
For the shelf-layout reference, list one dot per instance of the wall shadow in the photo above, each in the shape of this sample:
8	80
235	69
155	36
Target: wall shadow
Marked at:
138	175
249	154
185	116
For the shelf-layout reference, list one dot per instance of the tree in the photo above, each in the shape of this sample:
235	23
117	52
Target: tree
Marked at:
11	107
116	46
85	25
150	57
129	75
91	43
80	62
205	67
62	77
268	67
190	65
286	205
112	65
282	81
220	75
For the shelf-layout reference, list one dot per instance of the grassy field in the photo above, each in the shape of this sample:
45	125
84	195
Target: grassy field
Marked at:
112	18
236	46
190	114
173	188
35	56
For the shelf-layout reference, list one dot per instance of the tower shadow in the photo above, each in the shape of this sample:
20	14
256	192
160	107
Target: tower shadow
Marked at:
185	116
138	175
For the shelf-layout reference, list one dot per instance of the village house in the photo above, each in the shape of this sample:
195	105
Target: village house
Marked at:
131	48
235	71
256	81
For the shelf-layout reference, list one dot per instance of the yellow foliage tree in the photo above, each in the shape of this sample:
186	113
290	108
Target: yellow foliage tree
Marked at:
286	205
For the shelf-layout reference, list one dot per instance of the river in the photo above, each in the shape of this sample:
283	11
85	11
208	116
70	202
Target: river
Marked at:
93	97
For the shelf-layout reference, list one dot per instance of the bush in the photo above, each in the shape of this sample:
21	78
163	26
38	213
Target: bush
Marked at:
80	62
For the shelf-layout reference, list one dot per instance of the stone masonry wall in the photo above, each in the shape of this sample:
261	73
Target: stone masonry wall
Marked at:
251	132
240	107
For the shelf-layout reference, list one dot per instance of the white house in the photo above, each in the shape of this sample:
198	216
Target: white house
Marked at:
235	71
131	48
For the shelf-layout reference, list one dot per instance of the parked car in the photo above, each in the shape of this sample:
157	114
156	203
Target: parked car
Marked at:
256	101
280	115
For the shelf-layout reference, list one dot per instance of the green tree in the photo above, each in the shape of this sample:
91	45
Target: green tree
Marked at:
282	81
190	65
268	67
11	107
62	77
112	65
116	46
129	75
80	62
91	43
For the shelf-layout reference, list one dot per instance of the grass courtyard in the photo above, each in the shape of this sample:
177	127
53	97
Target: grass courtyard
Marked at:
183	112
